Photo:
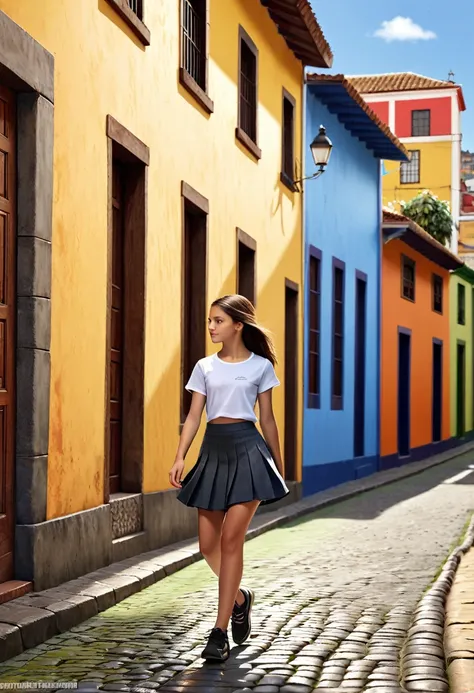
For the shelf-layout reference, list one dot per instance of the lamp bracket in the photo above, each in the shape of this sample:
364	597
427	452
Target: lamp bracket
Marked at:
296	183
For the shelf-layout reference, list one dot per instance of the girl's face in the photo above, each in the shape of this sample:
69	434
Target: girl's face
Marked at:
221	326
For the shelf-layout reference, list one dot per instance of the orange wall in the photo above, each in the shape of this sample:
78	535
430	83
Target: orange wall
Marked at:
424	325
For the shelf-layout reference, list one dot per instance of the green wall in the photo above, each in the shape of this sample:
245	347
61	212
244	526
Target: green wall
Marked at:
463	333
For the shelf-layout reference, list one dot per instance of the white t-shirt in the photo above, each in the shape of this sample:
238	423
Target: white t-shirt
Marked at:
231	389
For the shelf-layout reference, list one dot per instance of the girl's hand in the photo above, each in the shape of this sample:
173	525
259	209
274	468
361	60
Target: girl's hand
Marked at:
176	473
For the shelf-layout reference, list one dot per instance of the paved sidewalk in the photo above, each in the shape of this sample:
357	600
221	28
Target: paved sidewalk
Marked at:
459	631
31	620
337	596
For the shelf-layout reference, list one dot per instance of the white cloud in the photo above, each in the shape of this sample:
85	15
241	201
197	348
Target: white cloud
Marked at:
403	29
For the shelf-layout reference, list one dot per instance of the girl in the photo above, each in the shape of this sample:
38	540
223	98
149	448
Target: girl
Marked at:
235	470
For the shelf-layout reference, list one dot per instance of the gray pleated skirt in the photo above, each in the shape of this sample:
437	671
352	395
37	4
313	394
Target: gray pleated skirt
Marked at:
234	466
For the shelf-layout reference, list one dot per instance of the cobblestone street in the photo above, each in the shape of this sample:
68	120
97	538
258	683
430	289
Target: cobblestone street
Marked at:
335	596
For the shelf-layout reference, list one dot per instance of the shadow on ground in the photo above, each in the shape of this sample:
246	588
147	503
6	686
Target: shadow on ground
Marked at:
370	504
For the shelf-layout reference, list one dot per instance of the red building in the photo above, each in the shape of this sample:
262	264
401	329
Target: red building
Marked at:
425	114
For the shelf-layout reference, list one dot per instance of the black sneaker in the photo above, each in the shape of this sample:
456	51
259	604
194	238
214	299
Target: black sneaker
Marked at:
217	648
241	617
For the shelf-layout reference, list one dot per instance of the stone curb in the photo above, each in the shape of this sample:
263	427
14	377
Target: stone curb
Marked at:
424	646
34	618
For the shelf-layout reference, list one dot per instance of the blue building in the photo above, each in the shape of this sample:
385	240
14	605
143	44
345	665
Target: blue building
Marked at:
343	214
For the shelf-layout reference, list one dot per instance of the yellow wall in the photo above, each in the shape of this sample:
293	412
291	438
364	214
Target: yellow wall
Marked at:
466	232
100	69
435	173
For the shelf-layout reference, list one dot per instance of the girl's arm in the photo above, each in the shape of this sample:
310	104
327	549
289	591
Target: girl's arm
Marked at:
190	428
269	427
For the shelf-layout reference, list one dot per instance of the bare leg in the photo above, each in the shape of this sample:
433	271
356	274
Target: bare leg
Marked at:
236	523
210	527
210	523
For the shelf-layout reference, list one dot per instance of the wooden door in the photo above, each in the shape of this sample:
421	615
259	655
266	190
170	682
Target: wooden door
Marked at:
116	340
437	403
194	294
404	357
359	374
291	380
7	327
461	390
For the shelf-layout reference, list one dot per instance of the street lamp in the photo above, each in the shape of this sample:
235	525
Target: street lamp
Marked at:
321	148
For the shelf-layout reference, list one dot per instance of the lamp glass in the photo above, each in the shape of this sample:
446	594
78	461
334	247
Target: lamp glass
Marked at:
321	148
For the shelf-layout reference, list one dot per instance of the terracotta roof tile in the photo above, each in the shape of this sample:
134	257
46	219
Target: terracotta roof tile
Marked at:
299	27
397	81
390	217
312	78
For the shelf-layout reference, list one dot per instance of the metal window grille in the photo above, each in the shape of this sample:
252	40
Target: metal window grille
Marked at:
437	294
410	170
137	7
461	304
421	123
248	91
193	40
314	325
408	279
338	347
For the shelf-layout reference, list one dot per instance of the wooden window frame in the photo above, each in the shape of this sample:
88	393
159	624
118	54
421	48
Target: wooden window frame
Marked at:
407	164
337	401
416	111
437	280
189	198
285	177
240	134
461	310
314	398
405	260
243	238
199	93
135	23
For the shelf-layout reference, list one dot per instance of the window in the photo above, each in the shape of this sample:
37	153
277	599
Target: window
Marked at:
131	11
420	123
408	278
338	335
410	170
461	304
314	353
194	288
194	63
137	7
248	94
246	249
288	140
437	293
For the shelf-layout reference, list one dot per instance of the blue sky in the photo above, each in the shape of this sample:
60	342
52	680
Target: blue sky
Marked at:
430	37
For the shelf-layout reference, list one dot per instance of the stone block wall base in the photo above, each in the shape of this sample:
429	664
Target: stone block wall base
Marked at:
166	520
49	553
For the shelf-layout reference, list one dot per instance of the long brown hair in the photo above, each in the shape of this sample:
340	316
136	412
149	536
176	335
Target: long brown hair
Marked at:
255	337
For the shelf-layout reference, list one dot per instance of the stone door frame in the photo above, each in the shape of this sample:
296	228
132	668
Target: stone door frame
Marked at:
28	69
